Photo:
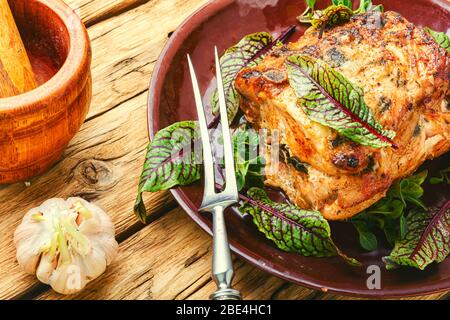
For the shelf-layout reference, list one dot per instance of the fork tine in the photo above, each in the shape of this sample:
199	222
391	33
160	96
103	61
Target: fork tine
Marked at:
230	173
207	151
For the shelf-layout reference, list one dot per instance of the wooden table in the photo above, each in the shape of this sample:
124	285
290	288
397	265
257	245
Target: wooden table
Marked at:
170	258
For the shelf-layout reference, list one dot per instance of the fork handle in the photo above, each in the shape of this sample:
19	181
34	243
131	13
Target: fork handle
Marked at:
222	266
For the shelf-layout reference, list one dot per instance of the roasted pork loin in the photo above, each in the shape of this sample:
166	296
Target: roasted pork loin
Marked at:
405	77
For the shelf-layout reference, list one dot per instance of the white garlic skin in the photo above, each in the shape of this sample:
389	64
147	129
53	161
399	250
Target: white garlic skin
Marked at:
33	241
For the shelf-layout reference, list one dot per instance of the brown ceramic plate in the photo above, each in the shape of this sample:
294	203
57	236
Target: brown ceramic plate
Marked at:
223	23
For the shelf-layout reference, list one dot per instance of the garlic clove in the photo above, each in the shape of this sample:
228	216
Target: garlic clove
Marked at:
29	239
69	278
45	268
107	244
94	263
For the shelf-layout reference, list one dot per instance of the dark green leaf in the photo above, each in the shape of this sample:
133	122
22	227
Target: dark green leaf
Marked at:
330	99
330	17
249	164
416	202
364	6
311	3
367	239
387	213
441	38
403	226
347	3
233	60
392	208
411	189
427	239
435	180
419	178
367	5
444	177
292	229
169	162
390	231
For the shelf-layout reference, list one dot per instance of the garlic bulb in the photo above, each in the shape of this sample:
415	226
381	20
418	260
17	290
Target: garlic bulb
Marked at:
66	243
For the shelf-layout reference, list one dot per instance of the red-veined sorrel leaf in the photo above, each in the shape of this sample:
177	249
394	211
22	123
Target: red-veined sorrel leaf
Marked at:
427	240
338	13
173	160
328	98
441	38
331	16
248	52
170	161
292	229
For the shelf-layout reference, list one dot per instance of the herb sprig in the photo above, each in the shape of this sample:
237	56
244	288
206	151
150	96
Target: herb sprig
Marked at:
389	214
444	177
339	12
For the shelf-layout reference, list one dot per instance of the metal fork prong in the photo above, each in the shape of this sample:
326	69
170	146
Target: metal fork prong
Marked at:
207	150
230	173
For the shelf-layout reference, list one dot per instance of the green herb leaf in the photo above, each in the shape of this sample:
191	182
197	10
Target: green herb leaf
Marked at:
367	239
347	3
379	8
427	240
403	226
389	213
364	6
409	190
328	98
390	231
233	60
338	13
248	52
292	229
169	162
444	177
367	5
311	3
441	38
249	164
330	17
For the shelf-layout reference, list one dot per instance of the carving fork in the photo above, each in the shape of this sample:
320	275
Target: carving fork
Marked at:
216	203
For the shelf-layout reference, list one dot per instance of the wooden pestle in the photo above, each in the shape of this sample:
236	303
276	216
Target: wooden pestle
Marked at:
16	73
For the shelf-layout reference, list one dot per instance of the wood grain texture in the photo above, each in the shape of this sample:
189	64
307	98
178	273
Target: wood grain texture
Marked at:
106	176
35	127
94	11
186	276
125	50
103	163
172	267
97	139
16	74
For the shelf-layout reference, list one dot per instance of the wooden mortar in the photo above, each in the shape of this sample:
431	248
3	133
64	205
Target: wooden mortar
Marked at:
36	126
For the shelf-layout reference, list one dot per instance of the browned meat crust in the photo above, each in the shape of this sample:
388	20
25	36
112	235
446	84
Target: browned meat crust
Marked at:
405	77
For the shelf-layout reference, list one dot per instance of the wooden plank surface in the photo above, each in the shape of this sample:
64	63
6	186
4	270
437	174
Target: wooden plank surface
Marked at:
94	11
172	270
103	162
